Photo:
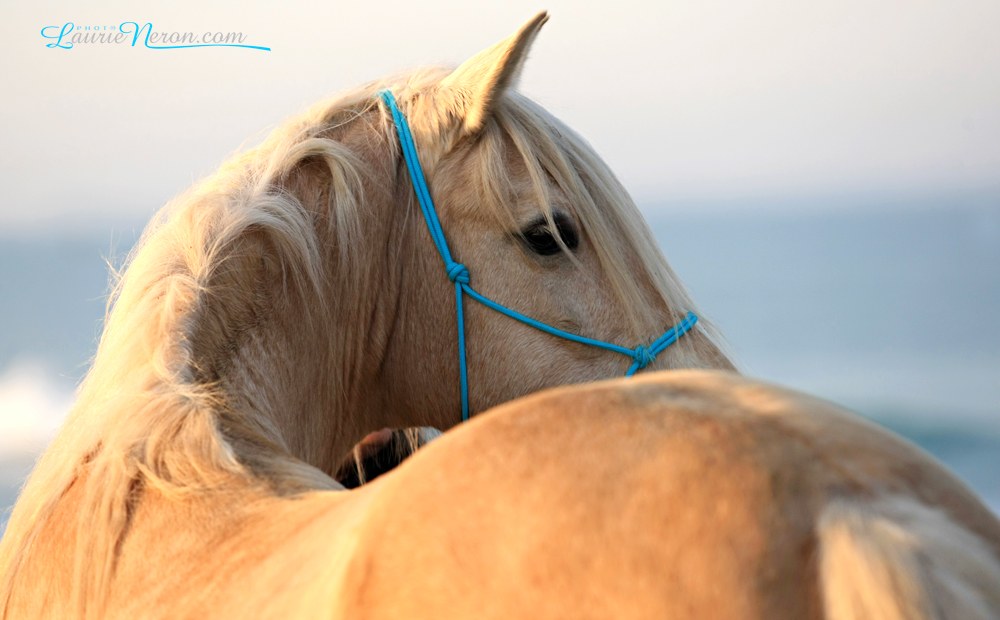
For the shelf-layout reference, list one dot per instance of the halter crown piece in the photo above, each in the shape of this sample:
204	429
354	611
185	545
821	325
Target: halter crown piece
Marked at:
458	274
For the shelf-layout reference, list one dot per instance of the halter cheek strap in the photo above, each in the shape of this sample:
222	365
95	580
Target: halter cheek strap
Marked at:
458	274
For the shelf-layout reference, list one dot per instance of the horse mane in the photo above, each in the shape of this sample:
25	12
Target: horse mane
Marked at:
153	412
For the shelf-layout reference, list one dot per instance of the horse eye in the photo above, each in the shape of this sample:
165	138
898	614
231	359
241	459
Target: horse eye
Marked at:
540	239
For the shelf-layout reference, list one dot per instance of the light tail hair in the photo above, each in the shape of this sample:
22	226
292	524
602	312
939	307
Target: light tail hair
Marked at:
897	559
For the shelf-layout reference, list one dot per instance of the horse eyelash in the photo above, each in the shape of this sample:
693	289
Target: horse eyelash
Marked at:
541	239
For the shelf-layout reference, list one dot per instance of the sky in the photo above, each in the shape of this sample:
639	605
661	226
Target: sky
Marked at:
691	103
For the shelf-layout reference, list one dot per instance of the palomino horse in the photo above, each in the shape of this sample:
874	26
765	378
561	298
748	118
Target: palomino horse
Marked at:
291	304
295	301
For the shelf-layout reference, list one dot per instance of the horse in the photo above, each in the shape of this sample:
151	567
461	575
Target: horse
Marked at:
293	302
286	306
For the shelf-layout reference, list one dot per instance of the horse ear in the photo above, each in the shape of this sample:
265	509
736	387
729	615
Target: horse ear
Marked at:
480	81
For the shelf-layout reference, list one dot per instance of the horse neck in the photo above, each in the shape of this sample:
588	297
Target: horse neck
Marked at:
226	353
310	379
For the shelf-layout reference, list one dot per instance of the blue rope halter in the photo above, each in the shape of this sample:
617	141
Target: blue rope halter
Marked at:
458	274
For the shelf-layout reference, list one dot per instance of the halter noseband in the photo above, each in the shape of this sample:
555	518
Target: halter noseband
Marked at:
458	274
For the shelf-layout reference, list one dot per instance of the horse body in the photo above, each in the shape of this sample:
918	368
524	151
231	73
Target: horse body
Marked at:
684	495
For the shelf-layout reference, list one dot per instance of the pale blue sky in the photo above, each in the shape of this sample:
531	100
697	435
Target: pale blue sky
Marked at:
691	103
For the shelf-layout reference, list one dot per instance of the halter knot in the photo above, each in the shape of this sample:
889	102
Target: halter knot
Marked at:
643	356
458	273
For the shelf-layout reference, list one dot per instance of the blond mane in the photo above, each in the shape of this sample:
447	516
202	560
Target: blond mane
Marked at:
155	409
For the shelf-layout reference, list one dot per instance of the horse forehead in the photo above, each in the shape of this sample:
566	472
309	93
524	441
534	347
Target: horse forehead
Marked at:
462	180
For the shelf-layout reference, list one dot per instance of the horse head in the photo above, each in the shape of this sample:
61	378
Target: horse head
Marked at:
536	222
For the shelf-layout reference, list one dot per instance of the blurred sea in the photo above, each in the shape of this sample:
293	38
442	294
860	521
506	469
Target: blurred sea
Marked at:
891	312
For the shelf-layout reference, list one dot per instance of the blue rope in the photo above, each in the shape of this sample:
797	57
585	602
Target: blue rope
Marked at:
458	274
